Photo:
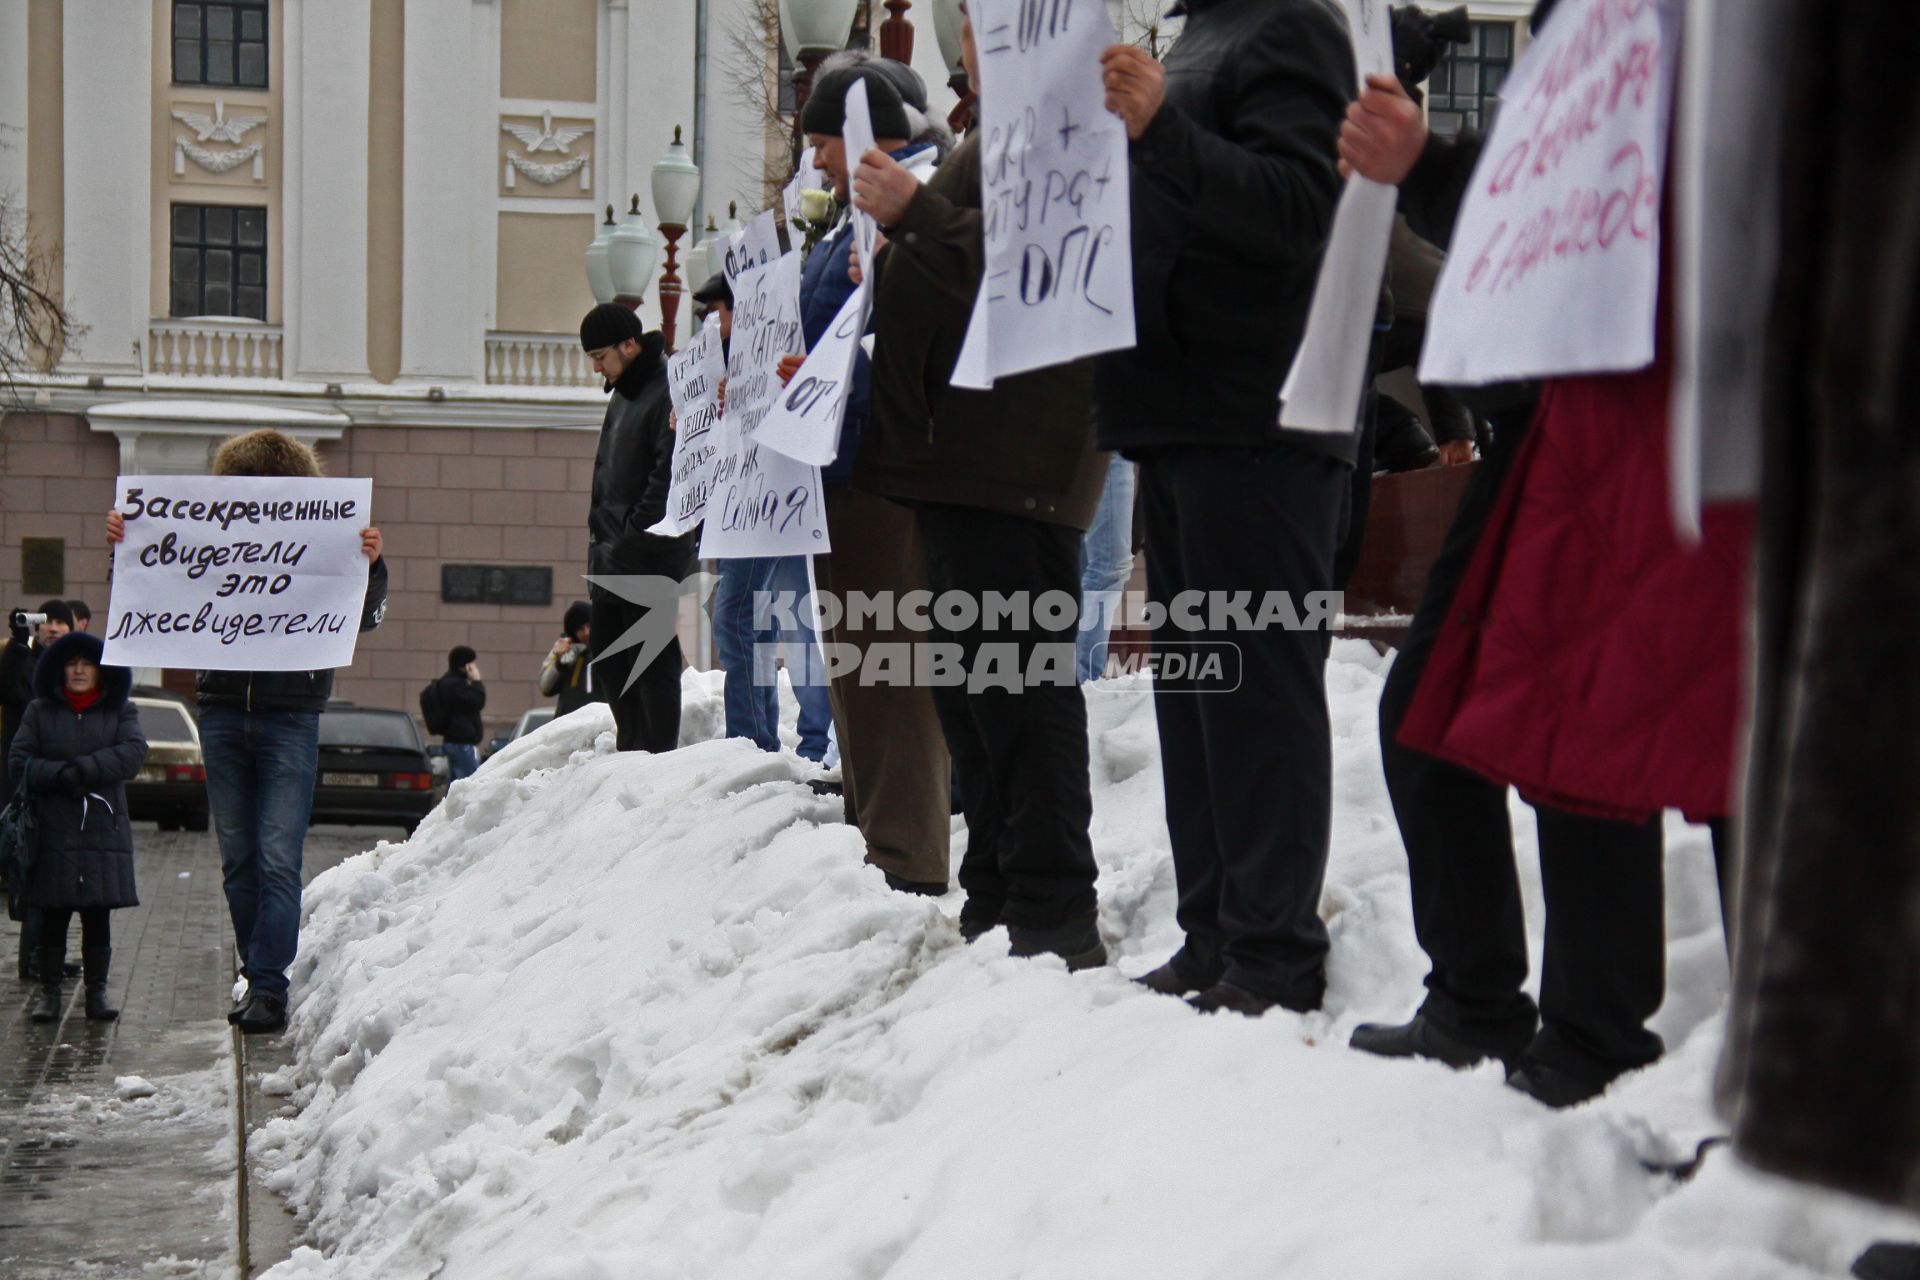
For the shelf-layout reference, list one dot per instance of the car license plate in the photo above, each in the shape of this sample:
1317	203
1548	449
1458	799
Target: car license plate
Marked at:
153	773
349	779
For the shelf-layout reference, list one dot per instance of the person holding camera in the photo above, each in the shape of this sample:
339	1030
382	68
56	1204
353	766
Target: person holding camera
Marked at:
567	675
462	696
77	746
29	632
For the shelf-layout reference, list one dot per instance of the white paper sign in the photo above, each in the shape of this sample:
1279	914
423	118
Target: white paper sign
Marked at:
238	573
1554	265
1726	248
753	245
1329	374
805	423
763	503
1054	189
857	135
694	374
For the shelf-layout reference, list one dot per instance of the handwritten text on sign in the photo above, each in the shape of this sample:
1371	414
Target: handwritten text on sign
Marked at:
1059	279
805	423
238	573
694	374
1554	265
762	503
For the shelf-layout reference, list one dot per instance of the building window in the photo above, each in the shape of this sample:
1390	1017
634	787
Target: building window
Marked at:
220	44
1465	90
219	265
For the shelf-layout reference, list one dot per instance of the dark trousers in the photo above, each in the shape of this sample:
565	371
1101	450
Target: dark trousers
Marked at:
1248	771
96	927
646	717
1021	754
1603	966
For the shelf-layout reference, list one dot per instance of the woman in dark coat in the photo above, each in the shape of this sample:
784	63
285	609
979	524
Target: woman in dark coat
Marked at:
77	747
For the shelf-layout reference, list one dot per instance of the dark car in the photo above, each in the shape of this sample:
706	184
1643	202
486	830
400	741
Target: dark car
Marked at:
171	787
373	768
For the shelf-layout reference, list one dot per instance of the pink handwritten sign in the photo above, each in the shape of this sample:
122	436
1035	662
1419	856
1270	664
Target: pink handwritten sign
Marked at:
1555	261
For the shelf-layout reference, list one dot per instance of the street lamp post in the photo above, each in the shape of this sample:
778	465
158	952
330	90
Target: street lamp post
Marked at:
631	253
896	33
599	273
946	29
676	187
812	29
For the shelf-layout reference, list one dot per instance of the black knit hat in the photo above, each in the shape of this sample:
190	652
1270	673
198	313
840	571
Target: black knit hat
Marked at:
609	325
459	656
578	615
827	106
905	81
56	611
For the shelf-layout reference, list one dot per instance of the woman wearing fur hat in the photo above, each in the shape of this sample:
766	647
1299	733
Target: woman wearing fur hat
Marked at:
77	746
260	733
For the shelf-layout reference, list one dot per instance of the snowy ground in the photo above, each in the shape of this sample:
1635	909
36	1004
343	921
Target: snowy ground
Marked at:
622	1016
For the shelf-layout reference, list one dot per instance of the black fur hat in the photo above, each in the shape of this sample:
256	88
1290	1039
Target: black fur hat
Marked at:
50	672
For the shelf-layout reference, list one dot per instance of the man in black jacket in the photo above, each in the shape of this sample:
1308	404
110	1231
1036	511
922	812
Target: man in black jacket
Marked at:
463	696
1234	186
631	473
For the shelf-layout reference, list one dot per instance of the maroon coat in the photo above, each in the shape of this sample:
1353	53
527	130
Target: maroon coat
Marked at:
1592	660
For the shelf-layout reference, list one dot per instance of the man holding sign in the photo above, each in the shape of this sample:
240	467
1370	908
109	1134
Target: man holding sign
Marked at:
1002	484
259	726
1234	185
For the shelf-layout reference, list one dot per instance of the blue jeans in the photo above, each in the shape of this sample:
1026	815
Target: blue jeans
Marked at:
261	768
752	694
804	666
1106	563
462	759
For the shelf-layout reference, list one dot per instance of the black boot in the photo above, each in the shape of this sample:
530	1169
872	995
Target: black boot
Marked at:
30	946
49	1006
97	960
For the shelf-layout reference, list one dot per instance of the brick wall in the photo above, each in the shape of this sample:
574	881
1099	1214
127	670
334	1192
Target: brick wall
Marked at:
56	481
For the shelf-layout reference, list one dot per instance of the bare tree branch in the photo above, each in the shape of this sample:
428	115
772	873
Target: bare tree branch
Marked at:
35	329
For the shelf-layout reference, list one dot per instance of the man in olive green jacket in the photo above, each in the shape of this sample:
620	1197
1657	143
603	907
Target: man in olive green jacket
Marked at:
1003	483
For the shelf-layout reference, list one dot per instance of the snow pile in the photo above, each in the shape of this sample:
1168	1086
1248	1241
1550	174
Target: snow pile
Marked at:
619	1016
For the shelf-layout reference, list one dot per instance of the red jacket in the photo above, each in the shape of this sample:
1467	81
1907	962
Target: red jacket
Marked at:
1591	659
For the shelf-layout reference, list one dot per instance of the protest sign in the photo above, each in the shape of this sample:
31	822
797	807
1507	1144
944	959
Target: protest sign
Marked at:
1329	374
762	503
1554	264
805	423
694	374
238	573
753	245
1054	191
857	135
1726	250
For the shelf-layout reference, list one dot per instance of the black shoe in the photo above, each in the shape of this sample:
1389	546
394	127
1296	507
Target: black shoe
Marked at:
233	1014
1077	942
69	969
1174	979
48	1007
926	888
1553	1087
262	1015
1888	1261
824	787
1425	1038
978	917
1225	997
97	961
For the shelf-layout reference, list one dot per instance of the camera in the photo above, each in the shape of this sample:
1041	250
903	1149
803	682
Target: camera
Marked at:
24	621
1420	40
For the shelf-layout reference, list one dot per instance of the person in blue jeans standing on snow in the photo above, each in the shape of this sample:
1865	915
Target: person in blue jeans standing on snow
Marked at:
260	735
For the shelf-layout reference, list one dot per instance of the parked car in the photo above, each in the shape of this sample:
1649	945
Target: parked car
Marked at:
373	768
171	787
529	721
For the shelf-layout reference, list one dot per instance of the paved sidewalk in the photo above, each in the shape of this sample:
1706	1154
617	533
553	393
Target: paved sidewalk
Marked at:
98	1185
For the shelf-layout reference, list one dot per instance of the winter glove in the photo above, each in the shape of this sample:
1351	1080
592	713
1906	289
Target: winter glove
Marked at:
72	781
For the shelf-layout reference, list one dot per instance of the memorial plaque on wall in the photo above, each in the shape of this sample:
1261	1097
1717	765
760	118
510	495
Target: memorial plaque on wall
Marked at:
43	566
496	584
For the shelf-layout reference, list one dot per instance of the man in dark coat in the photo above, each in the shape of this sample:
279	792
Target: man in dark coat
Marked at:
1234	186
1002	484
632	470
463	699
78	746
895	773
